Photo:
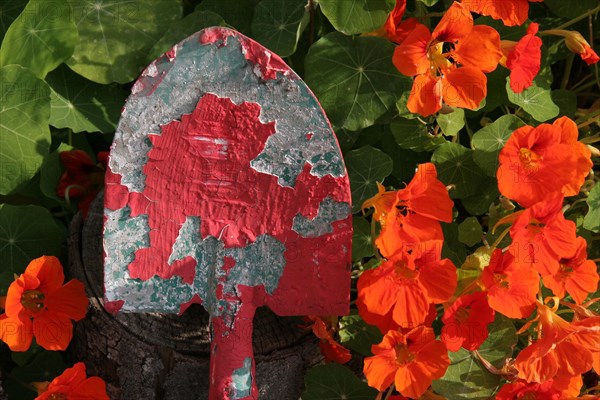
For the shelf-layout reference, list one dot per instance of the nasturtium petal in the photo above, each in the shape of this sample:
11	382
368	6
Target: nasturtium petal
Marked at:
464	87
42	37
116	35
354	79
278	24
24	132
357	16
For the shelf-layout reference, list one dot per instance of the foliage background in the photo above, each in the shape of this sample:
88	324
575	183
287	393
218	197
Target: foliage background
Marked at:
67	67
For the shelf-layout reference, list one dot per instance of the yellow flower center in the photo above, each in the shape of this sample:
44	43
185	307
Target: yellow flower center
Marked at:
528	158
403	354
437	58
500	279
33	300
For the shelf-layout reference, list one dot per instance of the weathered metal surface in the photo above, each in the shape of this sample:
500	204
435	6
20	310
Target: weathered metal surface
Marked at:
226	187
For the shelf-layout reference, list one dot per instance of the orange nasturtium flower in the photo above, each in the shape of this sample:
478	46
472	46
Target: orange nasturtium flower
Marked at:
524	390
577	44
38	304
576	275
411	215
448	64
564	350
466	321
511	12
532	162
324	328
404	286
542	236
73	384
522	58
511	288
411	361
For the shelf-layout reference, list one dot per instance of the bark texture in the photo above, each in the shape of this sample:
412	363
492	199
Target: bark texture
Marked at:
154	356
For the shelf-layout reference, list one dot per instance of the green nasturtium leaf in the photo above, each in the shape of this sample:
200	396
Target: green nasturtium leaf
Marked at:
566	101
452	123
278	24
570	9
354	78
456	167
496	93
452	247
83	105
356	16
366	166
333	381
592	218
27	232
45	366
466	378
534	100
180	30
470	232
41	38
479	203
405	161
9	11
361	238
237	13
411	134
429	3
356	335
116	35
489	140
24	131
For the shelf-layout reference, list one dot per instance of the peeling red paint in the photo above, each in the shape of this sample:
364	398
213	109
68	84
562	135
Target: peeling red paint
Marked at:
113	307
194	300
268	62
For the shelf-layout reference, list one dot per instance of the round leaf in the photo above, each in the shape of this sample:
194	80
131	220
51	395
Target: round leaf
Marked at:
41	38
361	238
237	13
116	35
354	78
411	134
27	232
356	16
180	30
456	167
356	335
278	24
592	219
453	122
479	203
535	100
9	11
332	381
489	140
83	105
24	131
470	232
366	166
566	101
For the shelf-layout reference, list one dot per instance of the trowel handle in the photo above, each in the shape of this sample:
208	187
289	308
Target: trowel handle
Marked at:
232	369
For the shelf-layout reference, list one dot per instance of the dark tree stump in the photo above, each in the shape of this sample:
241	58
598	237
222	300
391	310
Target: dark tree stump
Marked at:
164	356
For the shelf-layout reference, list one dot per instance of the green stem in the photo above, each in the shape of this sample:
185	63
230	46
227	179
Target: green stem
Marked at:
567	72
579	18
389	393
